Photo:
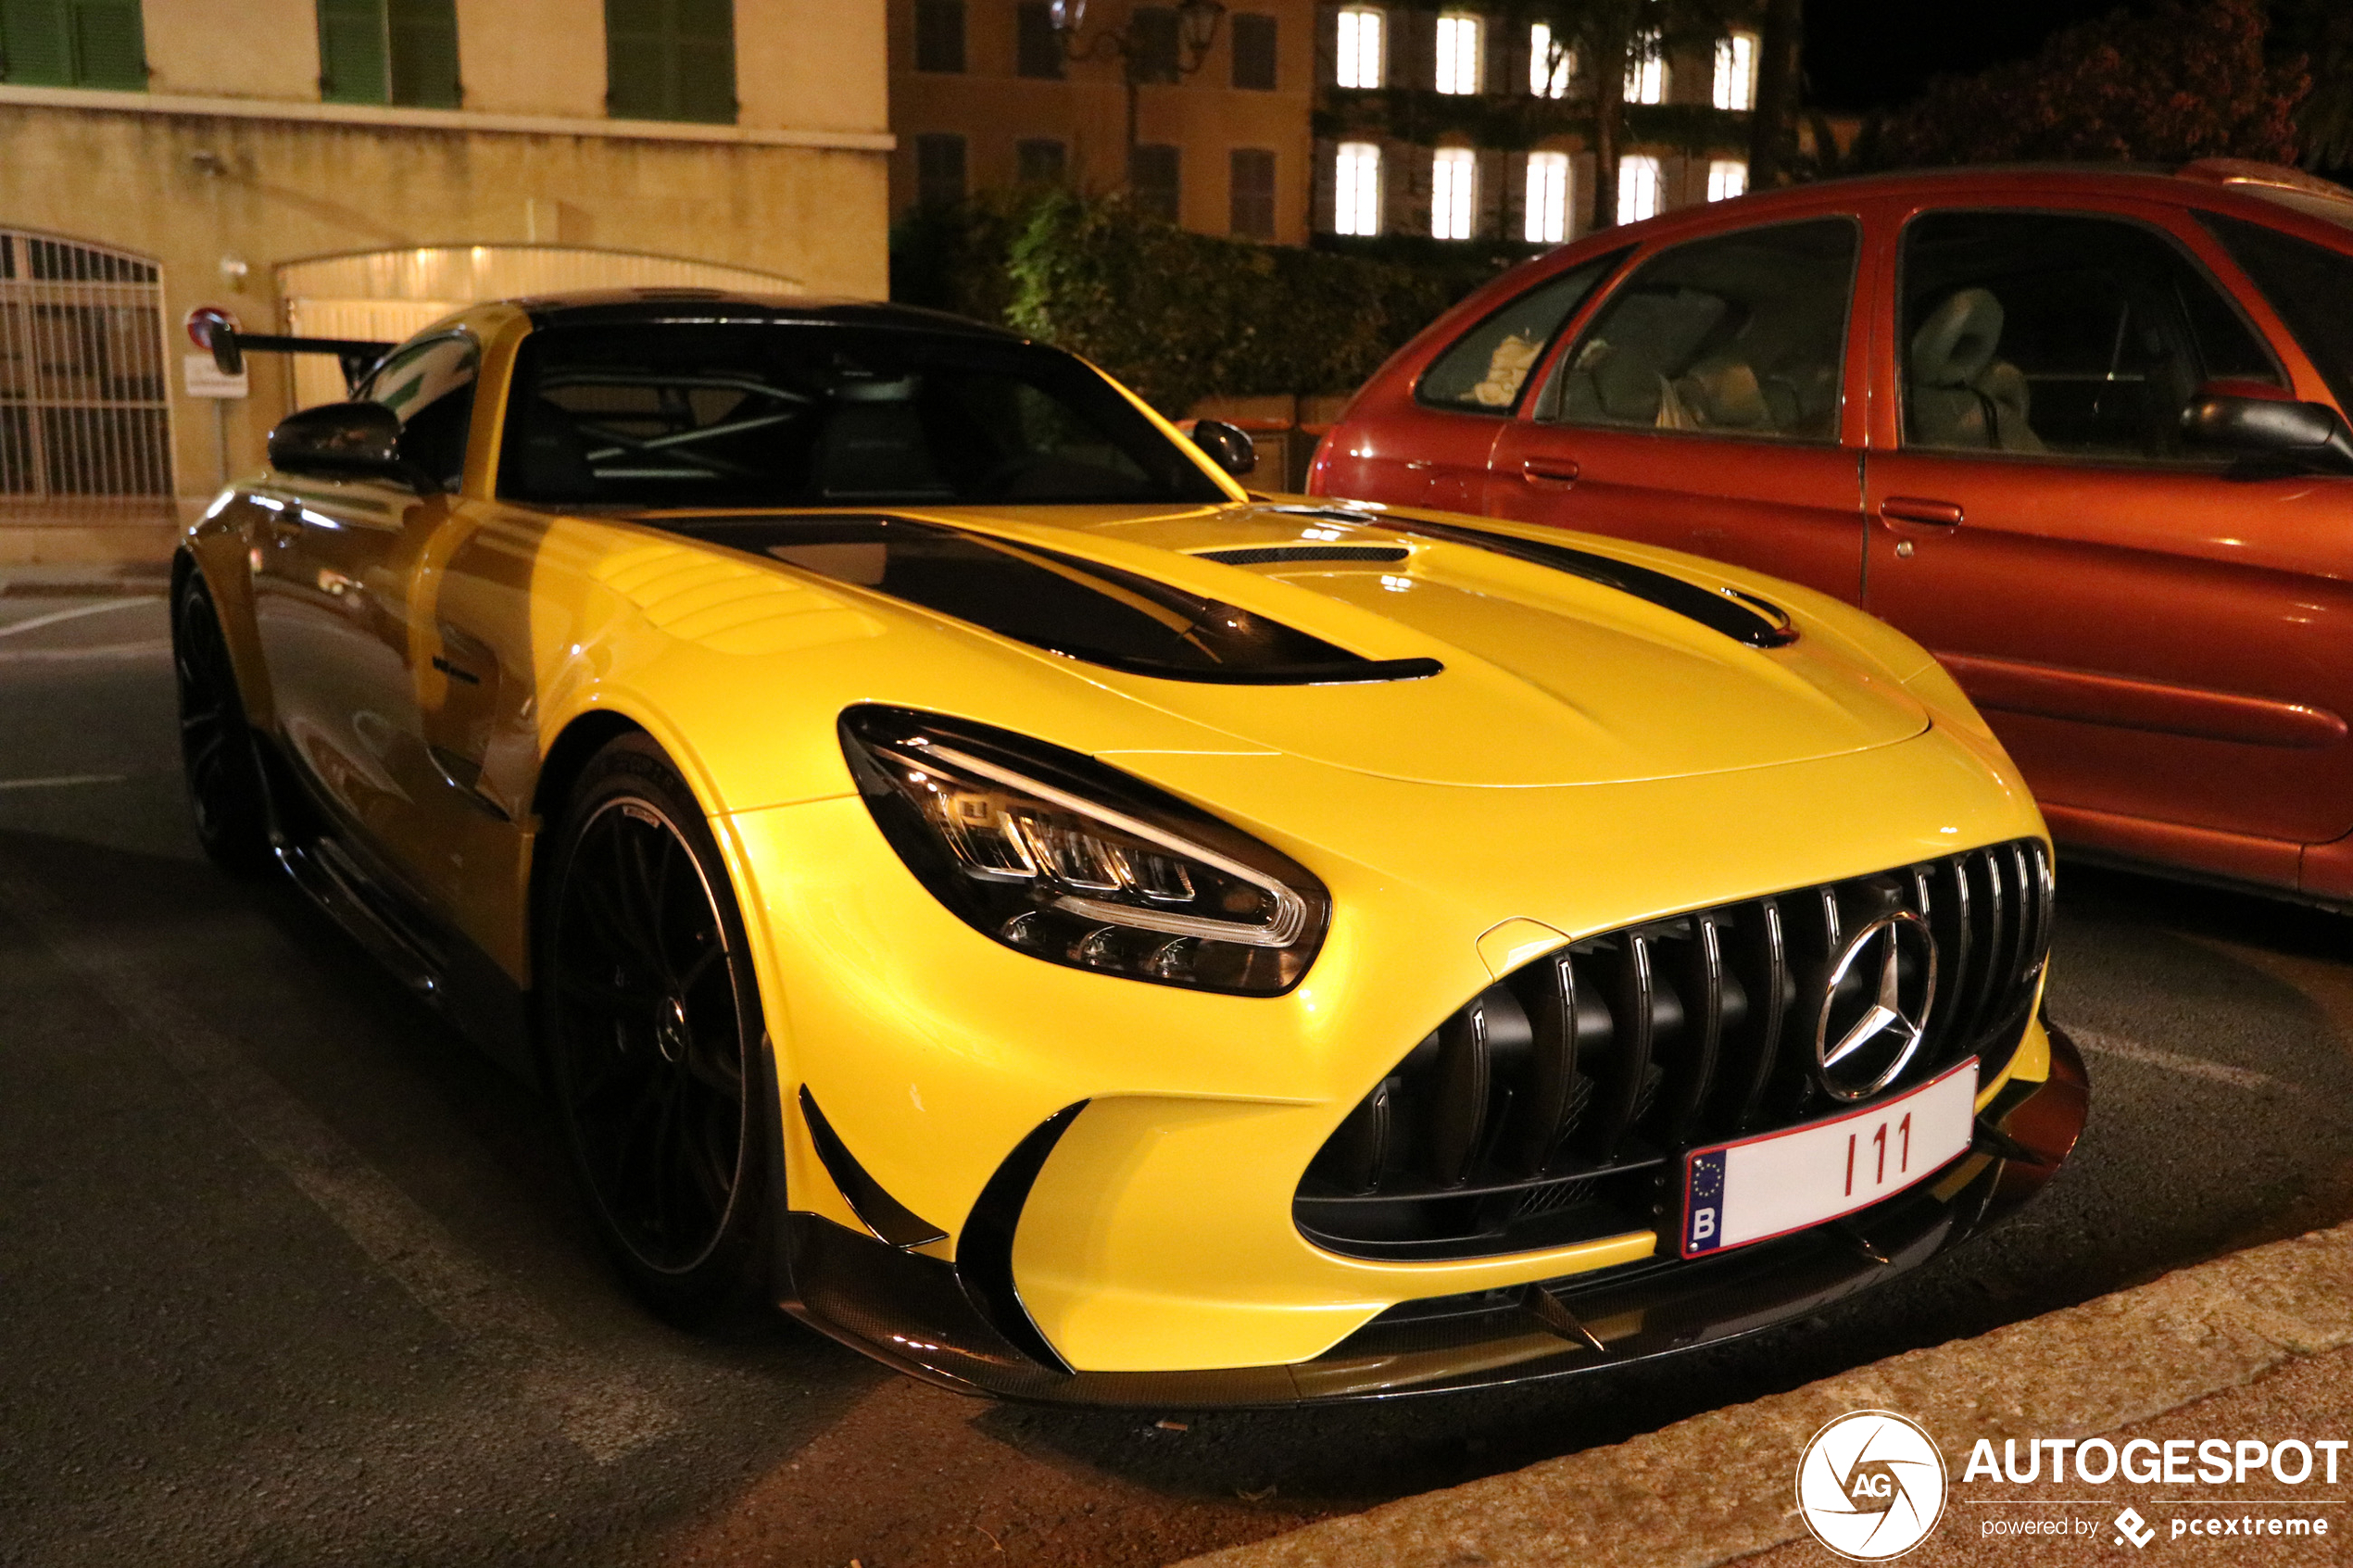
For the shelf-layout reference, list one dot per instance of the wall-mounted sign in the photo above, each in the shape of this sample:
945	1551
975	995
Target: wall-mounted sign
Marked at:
205	378
204	317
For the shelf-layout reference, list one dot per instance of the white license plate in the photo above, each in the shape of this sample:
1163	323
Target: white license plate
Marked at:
1759	1187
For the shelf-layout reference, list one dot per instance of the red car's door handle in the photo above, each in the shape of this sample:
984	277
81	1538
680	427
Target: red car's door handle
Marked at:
1549	470
1912	509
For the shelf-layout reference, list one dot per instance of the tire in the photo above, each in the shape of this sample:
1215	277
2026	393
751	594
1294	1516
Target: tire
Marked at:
651	1031
227	796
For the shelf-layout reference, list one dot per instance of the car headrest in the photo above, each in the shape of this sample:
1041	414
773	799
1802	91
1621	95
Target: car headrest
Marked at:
546	457
1956	342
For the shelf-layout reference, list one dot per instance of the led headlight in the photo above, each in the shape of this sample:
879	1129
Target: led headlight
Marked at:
1059	857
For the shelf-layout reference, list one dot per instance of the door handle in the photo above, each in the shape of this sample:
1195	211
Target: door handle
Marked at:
1549	470
1912	509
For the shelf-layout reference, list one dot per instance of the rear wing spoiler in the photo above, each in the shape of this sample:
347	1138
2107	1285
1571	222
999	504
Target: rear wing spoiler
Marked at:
230	348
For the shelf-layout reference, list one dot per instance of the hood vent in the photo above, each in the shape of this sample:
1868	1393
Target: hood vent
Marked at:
1741	616
1063	603
1268	554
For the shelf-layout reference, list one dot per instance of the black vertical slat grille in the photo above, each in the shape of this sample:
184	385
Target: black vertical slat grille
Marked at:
1552	1106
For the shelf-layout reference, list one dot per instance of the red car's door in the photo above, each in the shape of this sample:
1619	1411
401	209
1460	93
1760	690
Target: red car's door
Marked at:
2160	639
1711	404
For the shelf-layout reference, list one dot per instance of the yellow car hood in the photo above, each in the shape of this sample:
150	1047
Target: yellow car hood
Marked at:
1548	678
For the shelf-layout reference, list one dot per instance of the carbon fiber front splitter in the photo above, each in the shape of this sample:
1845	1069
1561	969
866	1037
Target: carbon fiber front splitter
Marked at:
922	1316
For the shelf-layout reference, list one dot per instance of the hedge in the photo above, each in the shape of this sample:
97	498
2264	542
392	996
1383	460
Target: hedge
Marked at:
1176	315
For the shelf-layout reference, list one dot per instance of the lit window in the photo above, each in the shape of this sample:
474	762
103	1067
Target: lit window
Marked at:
1645	71
1727	178
1736	71
1458	55
1548	73
1356	189
1637	188
1453	192
1359	50
1547	198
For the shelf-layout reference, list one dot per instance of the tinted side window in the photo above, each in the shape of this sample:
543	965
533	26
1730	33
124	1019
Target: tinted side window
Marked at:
431	387
2029	332
1745	334
2309	285
1482	373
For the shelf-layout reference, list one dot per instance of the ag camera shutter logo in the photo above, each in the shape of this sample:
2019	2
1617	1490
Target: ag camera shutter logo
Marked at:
1871	1485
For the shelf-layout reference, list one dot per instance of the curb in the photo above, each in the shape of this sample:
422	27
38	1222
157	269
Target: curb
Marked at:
1720	1486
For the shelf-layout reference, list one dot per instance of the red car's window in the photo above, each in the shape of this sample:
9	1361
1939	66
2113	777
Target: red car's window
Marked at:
1743	335
2063	333
1484	370
2309	285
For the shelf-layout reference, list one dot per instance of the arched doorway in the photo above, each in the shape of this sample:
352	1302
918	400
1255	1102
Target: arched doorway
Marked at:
84	420
384	295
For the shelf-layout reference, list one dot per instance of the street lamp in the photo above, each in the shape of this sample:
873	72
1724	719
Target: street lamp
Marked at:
1146	52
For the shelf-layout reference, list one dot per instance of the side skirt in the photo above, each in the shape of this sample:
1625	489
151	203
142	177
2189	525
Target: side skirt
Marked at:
437	964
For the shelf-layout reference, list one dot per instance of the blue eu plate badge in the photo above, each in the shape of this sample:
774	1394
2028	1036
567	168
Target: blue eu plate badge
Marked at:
1703	1213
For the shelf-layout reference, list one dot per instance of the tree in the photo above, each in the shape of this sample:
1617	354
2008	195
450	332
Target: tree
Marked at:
2185	81
2322	31
1605	37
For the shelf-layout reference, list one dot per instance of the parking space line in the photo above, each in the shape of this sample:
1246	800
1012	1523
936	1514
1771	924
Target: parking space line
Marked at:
2149	1056
100	651
63	781
601	1410
33	623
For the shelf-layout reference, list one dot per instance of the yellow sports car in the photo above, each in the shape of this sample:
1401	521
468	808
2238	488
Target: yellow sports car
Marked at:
1075	929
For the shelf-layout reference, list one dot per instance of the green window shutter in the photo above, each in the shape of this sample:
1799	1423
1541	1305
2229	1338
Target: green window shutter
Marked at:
706	68
425	52
35	48
109	45
637	59
351	52
671	59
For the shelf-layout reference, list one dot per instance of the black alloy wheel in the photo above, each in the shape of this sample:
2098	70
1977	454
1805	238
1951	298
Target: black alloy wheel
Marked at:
226	793
651	1025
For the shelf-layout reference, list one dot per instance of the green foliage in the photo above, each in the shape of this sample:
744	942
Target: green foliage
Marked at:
2320	33
954	258
2189	79
1176	315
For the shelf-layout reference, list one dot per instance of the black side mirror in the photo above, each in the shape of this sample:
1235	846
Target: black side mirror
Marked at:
2310	435
1228	447
345	441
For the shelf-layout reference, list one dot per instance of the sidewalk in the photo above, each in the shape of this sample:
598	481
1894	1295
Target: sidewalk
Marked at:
2256	1345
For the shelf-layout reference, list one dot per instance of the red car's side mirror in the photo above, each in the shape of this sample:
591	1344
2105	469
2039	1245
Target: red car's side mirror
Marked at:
2257	421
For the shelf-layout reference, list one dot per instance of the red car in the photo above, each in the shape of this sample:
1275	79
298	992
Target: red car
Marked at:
2081	434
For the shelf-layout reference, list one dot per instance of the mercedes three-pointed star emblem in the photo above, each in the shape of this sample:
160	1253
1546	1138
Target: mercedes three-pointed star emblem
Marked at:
1860	1052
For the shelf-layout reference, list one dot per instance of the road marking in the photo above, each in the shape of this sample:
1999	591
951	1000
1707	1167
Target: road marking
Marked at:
100	651
2149	1056
600	1409
54	616
63	781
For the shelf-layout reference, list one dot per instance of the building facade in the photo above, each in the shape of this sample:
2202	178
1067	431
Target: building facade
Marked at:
988	94
355	168
1466	122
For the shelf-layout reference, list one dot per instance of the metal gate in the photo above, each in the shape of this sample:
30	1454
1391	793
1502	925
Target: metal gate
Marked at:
82	411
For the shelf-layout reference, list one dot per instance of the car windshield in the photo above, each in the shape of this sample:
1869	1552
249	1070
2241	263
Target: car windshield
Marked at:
767	413
2307	284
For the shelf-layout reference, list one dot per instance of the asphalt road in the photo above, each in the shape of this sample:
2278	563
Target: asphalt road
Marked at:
289	1275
